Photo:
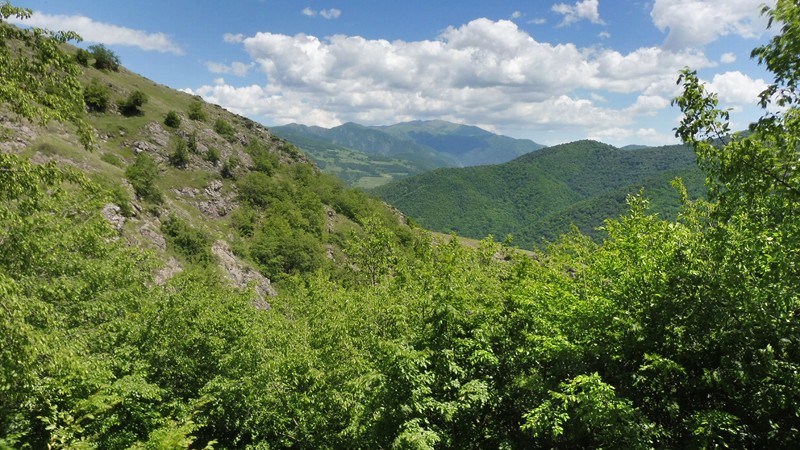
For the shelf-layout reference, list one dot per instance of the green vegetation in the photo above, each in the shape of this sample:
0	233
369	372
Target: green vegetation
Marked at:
542	194
132	104
51	90
172	119
196	111
223	128
180	155
97	96
104	58
142	175
668	333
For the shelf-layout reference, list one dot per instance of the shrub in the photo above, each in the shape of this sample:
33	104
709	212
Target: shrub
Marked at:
180	156
229	168
196	111
130	106
192	142
192	243
212	155
172	119
82	57
96	95
142	174
104	59
223	128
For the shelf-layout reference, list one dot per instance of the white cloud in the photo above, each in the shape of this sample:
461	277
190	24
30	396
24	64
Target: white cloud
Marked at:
237	68
727	58
736	88
481	72
648	105
516	14
332	13
538	21
582	10
103	33
623	136
695	23
604	35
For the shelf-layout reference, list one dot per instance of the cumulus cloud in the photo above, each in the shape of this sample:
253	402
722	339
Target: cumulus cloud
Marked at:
582	10
695	23
104	33
736	88
482	72
727	58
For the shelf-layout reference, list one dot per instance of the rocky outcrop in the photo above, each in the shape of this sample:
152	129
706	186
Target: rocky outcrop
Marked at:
242	276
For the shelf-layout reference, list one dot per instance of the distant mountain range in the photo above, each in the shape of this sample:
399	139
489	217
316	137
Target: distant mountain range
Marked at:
371	156
541	194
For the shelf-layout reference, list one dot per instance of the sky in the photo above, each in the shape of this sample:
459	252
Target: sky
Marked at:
550	71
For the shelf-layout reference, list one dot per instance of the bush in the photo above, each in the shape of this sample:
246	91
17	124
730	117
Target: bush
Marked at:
142	174
180	156
130	106
82	57
189	242
104	59
96	95
196	111
172	119
212	155
229	168
223	128
192	142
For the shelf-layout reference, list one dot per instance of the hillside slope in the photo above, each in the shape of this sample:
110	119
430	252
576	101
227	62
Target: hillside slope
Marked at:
540	194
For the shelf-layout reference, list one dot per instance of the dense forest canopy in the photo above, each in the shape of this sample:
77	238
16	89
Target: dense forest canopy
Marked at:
677	333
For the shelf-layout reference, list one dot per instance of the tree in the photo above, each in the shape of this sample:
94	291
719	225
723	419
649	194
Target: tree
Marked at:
130	106
104	59
142	174
40	82
196	111
180	156
172	119
96	95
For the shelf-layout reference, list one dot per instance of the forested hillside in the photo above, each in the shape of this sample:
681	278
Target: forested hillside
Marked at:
540	195
668	333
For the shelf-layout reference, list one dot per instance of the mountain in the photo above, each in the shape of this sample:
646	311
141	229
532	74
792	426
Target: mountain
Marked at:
371	156
539	195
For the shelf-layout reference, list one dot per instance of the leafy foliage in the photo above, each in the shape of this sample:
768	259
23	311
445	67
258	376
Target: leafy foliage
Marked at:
97	96
669	333
104	58
172	119
142	174
51	90
132	104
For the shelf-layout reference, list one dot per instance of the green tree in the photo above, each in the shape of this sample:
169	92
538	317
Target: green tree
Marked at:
104	58
196	111
143	174
41	82
96	95
180	156
132	104
172	119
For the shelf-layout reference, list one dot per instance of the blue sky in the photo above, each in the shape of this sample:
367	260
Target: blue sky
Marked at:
551	71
